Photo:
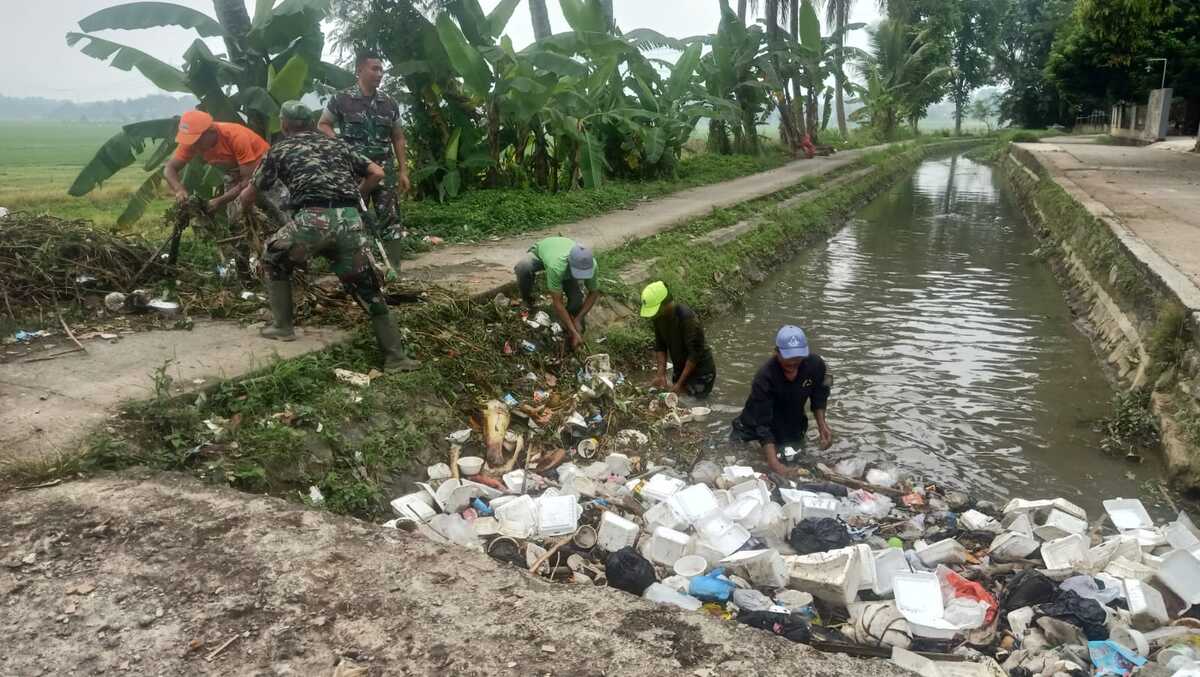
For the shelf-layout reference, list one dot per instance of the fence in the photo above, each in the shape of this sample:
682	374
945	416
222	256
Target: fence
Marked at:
1096	123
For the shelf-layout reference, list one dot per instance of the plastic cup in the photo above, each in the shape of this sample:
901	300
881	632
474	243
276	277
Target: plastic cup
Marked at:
470	465
690	565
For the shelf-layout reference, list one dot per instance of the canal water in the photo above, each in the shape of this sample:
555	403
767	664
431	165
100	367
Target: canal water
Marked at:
952	349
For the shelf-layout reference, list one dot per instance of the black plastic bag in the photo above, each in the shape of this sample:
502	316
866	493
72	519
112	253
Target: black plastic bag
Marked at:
1029	587
627	570
1087	614
818	535
792	626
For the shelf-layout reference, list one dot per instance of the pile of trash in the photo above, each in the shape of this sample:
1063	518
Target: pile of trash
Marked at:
861	561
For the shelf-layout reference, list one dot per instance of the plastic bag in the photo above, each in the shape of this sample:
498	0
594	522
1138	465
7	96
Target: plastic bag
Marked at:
955	587
1028	588
790	626
1110	658
711	587
1091	588
751	600
881	478
1087	614
818	535
869	504
456	530
627	570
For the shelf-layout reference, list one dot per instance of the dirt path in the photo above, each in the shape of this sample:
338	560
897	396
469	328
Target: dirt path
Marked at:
483	269
153	574
48	408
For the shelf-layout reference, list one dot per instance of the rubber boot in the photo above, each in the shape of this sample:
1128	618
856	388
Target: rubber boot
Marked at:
280	295
394	250
395	358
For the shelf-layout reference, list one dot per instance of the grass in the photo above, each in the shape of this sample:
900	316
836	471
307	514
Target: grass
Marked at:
39	160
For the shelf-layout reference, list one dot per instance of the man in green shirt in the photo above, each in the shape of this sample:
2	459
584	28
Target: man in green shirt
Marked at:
570	268
677	333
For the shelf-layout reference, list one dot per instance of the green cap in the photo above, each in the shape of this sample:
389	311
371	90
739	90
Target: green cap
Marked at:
294	110
652	298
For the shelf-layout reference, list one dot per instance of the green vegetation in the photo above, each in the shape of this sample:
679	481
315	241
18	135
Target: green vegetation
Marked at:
1132	430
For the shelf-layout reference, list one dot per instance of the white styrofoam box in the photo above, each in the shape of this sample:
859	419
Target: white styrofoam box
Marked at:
948	551
1059	524
816	507
616	532
763	568
1013	545
619	465
1129	570
1128	513
1180	537
557	515
831	576
887	563
919	598
1018	522
977	521
1067	552
660	487
1180	571
1146	605
746	510
755	487
722	534
667	545
416	506
661	515
1020	505
693	503
518	517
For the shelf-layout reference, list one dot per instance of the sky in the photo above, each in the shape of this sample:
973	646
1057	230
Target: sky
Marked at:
35	59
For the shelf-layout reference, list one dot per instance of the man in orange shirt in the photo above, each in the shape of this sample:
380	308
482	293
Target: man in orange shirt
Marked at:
228	146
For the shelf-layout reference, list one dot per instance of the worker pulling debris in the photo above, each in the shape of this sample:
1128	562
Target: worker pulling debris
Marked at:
679	335
327	181
570	269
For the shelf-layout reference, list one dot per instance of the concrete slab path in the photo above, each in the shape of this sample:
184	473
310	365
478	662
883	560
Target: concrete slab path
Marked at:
1149	197
49	407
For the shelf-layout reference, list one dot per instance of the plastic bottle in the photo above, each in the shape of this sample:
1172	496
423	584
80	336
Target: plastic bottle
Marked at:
662	594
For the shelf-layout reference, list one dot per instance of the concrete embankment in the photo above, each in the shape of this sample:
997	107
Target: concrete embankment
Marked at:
1126	224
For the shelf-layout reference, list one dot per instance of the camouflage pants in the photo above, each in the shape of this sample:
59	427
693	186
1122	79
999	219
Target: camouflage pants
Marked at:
337	235
384	220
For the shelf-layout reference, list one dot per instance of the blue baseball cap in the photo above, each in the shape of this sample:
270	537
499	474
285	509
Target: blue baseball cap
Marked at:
791	342
582	263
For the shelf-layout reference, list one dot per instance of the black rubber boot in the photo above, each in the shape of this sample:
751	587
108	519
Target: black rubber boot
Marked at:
395	358
280	296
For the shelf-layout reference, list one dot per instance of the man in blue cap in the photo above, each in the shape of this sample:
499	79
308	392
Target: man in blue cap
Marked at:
773	415
570	268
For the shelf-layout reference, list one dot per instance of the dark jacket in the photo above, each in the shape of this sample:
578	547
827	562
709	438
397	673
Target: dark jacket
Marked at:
774	411
679	335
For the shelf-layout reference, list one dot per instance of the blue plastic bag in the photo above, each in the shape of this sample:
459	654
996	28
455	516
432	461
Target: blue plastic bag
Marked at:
711	587
1110	658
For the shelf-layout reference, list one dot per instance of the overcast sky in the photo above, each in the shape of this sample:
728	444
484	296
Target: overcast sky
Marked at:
35	59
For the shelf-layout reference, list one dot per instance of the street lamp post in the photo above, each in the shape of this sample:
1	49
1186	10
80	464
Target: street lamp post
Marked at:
1163	85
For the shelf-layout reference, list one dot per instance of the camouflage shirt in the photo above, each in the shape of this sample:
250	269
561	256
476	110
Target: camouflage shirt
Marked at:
366	122
315	168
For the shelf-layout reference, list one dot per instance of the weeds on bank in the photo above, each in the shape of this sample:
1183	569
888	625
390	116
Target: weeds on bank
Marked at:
1132	429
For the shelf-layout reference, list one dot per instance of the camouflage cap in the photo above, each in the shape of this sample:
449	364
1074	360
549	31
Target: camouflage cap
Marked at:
294	110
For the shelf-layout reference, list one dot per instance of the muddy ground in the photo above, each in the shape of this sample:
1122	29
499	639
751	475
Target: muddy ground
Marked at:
154	573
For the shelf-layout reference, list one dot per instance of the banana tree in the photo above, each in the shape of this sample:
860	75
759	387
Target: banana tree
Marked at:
271	58
733	70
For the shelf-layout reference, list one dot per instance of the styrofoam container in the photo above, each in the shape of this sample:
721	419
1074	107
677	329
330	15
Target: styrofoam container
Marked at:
1019	522
1020	505
660	487
919	599
1180	537
417	506
518	517
948	551
746	510
667	545
486	526
1127	513
866	565
793	495
557	515
831	576
1148	539
1012	545
737	473
708	553
816	507
470	465
1180	571
1146	606
754	487
690	565
887	563
977	521
616	532
1067	552
722	534
724	498
763	568
1128	570
1059	524
661	515
693	503
619	465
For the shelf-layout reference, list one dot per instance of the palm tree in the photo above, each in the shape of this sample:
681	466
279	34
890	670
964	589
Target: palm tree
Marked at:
541	19
837	16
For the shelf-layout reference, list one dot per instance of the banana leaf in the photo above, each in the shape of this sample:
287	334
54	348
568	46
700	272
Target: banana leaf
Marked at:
463	57
138	15
127	59
288	83
119	152
141	199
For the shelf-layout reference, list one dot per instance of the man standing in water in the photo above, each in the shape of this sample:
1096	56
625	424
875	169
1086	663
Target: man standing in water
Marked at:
678	334
369	121
774	413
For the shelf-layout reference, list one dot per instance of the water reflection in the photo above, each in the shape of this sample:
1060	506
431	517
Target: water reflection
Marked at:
952	349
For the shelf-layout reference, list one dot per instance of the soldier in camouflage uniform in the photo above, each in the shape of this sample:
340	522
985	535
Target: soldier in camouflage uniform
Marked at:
369	121
323	176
